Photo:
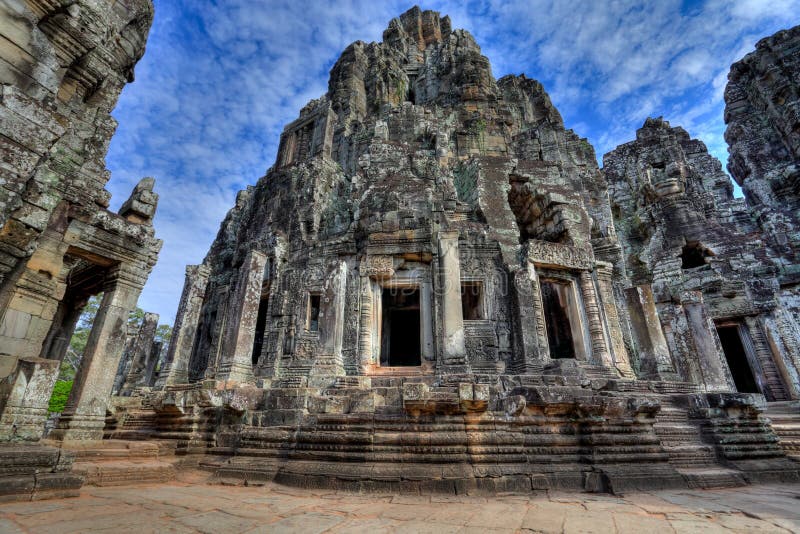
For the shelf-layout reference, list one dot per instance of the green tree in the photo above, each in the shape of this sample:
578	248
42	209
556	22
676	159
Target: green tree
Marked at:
135	319
77	344
60	395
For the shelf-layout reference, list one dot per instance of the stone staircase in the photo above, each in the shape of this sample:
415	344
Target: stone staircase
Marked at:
688	453
599	372
135	425
120	462
785	418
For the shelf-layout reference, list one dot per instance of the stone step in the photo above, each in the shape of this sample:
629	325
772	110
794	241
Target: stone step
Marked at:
124	472
713	478
785	419
114	449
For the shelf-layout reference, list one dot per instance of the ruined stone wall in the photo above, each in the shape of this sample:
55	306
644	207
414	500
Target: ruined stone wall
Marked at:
762	112
684	236
415	140
62	69
556	339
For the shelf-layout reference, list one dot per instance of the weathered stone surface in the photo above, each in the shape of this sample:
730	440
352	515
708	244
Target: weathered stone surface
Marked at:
438	290
62	68
143	354
693	250
434	289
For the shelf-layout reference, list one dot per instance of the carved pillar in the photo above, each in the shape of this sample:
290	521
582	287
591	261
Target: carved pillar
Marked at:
236	364
454	347
84	416
142	357
328	362
176	363
591	305
716	375
781	332
215	346
25	398
538	311
528	318
124	363
604	271
654	358
367	324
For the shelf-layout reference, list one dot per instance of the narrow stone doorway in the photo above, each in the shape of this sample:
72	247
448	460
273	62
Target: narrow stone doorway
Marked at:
557	321
263	314
736	356
400	328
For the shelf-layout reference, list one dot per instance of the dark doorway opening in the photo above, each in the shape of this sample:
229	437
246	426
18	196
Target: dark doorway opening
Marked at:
400	328
261	326
556	318
472	301
312	319
736	356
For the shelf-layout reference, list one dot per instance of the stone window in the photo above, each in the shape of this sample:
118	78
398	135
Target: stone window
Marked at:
312	314
694	255
400	327
472	307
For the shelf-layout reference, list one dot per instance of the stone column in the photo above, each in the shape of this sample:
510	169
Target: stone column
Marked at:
24	403
527	319
216	344
236	364
84	416
454	347
328	360
176	363
367	323
124	363
142	356
600	353
654	358
716	375
604	272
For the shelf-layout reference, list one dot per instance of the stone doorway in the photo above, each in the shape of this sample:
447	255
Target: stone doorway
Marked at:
400	327
263	314
736	354
556	301
83	279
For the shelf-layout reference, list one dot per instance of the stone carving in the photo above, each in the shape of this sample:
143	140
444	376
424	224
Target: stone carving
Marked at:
435	287
65	66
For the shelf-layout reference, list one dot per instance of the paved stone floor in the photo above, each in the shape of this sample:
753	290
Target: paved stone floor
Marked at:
190	507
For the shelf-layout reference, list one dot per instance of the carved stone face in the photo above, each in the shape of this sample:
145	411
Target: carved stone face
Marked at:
667	176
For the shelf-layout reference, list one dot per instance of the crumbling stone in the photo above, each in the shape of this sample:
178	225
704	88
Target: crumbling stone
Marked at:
60	76
435	288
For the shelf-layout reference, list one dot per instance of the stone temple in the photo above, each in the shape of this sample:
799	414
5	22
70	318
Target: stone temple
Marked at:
435	288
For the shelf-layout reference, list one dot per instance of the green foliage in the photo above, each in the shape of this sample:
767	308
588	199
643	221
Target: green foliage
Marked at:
80	336
60	395
135	319
163	333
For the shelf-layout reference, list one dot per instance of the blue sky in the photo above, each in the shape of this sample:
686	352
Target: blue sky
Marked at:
220	78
